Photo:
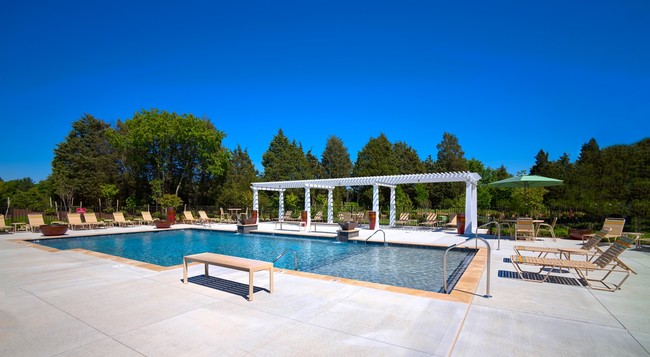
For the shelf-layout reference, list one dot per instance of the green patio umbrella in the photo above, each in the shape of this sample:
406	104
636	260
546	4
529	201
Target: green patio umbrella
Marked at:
527	181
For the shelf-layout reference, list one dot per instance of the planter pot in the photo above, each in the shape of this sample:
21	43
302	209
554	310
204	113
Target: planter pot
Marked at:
578	233
348	226
162	224
53	229
372	219
251	220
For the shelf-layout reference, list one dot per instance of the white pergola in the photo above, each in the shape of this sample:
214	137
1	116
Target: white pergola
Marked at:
470	179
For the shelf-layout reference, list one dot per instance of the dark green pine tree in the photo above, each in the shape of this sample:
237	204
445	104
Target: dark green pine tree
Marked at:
84	161
284	160
236	189
336	163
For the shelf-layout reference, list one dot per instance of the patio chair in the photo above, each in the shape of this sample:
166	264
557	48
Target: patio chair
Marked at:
525	228
35	221
453	221
318	217
118	217
203	216
548	227
3	225
146	217
189	218
74	220
607	263
431	220
91	218
360	216
616	226
224	218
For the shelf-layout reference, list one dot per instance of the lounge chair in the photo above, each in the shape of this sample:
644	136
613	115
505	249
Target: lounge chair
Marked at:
287	216
431	220
453	221
547	227
118	217
318	217
525	227
404	219
344	217
189	218
3	225
606	263
74	220
616	228
35	221
146	217
204	217
91	218
589	249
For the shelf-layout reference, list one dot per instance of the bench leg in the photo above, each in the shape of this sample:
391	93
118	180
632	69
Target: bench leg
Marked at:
250	286
271	279
207	271
184	271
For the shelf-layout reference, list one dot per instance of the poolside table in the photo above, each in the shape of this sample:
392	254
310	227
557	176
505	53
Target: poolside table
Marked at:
227	261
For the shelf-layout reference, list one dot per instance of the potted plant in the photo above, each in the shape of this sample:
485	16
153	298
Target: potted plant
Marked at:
171	202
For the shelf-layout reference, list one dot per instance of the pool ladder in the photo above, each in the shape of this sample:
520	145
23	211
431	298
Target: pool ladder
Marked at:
377	231
444	264
295	257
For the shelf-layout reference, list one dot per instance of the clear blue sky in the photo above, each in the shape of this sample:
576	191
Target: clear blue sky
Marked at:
508	78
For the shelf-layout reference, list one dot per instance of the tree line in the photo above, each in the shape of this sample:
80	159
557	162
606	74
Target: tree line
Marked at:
162	158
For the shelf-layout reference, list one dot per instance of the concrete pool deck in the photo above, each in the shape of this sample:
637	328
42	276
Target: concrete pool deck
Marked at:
72	304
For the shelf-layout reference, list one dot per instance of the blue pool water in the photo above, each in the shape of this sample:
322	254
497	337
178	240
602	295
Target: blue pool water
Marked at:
398	265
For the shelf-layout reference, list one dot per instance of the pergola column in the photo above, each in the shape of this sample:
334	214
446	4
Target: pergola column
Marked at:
471	219
330	205
308	208
256	204
375	204
392	206
281	206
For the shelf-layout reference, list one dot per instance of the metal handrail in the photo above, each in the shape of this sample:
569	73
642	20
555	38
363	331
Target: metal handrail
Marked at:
444	265
498	232
377	231
295	257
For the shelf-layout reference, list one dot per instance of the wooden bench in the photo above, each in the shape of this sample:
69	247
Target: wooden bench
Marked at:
226	261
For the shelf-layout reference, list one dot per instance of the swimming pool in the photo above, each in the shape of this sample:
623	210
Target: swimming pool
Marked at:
398	265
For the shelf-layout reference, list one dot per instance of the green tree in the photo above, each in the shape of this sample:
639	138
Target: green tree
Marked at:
315	167
84	161
182	151
408	161
589	167
236	190
376	158
336	159
451	158
108	192
284	160
336	163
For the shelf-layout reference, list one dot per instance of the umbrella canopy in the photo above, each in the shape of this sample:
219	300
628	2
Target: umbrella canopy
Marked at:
527	181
